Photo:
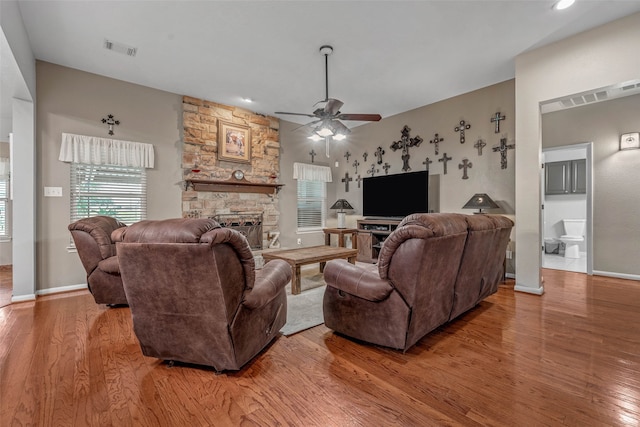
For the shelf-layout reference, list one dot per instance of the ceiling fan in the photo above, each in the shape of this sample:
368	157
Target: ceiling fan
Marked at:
327	124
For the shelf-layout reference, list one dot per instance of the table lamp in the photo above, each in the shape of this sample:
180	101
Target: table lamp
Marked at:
341	204
480	201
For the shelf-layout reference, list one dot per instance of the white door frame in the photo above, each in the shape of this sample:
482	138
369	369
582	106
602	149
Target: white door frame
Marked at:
589	225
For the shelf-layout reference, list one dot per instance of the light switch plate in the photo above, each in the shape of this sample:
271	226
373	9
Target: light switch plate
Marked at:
52	191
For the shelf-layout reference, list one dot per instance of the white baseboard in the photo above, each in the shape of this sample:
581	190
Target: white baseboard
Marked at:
23	298
510	275
616	275
60	289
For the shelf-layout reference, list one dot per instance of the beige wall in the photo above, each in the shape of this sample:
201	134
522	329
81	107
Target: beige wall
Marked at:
74	101
591	60
616	194
485	176
5	247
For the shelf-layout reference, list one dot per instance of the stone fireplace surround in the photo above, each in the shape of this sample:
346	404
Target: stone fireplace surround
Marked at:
200	161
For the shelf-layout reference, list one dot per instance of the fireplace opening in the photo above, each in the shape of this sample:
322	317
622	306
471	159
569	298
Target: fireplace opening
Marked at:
248	224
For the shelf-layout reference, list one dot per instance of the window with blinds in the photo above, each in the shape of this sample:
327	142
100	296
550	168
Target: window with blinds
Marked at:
4	206
312	199
115	191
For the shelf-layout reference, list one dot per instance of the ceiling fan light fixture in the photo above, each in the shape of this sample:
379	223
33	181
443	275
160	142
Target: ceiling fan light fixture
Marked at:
315	137
339	137
563	4
325	131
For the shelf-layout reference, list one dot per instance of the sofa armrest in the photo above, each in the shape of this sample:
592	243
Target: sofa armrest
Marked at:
269	282
346	277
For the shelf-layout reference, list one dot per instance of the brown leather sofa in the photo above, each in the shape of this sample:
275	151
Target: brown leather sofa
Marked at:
195	295
94	240
431	269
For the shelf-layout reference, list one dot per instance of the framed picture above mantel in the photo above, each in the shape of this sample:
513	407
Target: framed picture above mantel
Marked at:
234	142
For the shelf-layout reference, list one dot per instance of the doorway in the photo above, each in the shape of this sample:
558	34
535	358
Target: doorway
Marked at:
567	190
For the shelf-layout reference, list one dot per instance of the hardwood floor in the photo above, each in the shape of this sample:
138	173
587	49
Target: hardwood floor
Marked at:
569	357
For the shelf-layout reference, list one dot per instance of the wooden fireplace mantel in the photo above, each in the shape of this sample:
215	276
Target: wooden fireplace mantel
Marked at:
232	185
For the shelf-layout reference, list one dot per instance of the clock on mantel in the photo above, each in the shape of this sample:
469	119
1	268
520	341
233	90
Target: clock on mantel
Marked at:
236	183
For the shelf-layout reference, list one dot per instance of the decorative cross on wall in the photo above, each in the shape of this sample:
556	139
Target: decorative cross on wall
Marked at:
479	145
427	162
466	164
358	180
356	163
347	155
461	128
373	170
379	152
436	140
386	168
346	181
404	144
365	155
444	161
110	120
312	153
502	149
496	118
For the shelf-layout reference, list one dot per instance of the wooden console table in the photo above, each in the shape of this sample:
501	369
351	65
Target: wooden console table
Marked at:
310	255
341	233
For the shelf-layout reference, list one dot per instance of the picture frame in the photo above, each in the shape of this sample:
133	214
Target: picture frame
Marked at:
234	142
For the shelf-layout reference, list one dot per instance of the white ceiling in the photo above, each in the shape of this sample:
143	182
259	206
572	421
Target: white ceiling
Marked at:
389	56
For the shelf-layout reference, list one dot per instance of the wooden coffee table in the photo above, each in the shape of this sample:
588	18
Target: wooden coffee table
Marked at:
310	255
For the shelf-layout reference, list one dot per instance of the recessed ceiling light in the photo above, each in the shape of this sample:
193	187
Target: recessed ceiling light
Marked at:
563	4
247	99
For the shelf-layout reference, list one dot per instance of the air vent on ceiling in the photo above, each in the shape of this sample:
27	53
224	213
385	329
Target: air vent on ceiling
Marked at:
612	92
120	47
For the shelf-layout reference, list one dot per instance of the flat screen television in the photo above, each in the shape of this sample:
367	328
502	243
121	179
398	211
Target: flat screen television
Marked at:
395	196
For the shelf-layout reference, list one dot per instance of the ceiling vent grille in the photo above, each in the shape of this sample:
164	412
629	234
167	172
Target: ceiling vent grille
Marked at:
120	48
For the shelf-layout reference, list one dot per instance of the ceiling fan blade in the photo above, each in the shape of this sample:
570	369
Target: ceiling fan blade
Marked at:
360	117
294	114
333	106
340	128
306	125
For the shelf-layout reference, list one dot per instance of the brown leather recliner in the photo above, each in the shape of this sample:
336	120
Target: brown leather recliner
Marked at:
431	269
94	240
195	295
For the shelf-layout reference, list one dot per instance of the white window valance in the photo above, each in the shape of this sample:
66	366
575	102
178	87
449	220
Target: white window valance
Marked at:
92	150
307	172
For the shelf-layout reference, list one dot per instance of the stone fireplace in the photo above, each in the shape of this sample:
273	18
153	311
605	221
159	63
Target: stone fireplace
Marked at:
200	162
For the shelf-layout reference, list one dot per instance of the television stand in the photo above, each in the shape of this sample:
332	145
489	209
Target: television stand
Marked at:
372	233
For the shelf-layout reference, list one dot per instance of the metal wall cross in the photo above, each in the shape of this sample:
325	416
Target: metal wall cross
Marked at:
466	164
312	153
110	121
461	128
355	164
358	180
502	149
427	162
436	140
365	155
373	170
346	181
404	144
479	145
379	152
386	168
347	155
496	118
444	161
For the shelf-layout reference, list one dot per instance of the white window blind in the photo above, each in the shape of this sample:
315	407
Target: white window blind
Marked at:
312	199
115	191
4	206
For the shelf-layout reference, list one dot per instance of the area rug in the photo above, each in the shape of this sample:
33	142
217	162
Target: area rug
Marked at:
304	310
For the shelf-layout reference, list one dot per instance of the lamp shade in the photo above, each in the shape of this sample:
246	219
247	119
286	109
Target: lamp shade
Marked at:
480	201
341	204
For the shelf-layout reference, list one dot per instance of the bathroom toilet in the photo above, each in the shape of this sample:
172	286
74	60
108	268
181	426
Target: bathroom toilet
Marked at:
574	229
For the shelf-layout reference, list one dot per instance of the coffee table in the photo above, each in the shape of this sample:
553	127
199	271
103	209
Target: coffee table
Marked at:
310	255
